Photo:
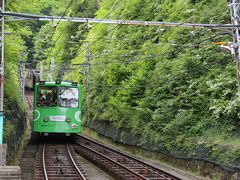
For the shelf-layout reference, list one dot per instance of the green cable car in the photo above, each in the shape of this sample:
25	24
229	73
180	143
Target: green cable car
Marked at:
57	108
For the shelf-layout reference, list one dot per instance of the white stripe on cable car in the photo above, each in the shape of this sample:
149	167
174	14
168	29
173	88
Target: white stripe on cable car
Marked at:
37	111
77	116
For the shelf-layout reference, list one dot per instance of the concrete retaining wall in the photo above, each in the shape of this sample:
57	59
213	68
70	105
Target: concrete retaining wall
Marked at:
198	164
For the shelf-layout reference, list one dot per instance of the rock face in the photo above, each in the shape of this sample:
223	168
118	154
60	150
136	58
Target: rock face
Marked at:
10	172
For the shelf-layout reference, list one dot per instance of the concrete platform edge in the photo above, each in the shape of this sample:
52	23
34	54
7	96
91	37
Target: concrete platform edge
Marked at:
3	153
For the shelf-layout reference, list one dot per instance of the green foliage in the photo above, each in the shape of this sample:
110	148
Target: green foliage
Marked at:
8	129
62	40
169	85
186	88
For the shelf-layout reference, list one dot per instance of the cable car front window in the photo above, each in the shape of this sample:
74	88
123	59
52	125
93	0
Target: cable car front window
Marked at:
47	96
68	97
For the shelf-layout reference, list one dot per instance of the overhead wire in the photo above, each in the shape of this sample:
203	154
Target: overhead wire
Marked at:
126	22
121	22
55	27
113	30
118	87
102	87
146	57
56	40
94	24
98	39
152	56
132	60
119	5
174	45
110	30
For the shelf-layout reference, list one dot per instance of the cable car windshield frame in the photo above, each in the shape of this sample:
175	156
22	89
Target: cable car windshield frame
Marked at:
47	96
53	96
68	97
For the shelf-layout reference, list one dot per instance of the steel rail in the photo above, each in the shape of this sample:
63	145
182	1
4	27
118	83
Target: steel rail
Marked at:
116	163
43	163
18	15
75	165
155	169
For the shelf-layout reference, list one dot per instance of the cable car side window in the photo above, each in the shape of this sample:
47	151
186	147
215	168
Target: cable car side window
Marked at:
47	96
68	97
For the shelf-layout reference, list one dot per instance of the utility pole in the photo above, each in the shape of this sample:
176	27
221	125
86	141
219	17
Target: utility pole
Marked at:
2	72
21	74
52	69
41	71
88	58
21	78
2	146
235	17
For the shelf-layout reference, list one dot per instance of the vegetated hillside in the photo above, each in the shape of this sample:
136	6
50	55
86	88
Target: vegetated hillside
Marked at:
60	40
169	86
34	40
14	106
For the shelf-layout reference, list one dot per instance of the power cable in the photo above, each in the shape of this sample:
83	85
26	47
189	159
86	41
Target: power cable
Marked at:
92	26
55	27
121	22
119	5
126	22
151	57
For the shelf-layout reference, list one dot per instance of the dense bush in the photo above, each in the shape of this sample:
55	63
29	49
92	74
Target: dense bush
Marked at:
171	85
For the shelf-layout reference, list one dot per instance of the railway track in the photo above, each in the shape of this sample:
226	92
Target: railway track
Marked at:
55	161
29	99
120	165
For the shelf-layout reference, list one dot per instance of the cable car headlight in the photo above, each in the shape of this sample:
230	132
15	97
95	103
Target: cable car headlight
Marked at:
41	82
45	119
74	83
68	120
